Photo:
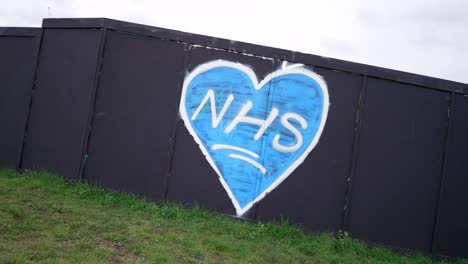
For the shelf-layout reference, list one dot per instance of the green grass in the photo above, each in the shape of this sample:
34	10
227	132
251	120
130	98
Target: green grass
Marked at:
44	219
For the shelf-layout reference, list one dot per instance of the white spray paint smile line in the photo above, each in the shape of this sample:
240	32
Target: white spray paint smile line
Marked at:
224	146
249	160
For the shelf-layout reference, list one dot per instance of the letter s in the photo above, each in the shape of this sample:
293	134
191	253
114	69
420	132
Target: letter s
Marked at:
297	134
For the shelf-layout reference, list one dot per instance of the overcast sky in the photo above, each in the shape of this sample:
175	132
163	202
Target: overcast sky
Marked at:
421	36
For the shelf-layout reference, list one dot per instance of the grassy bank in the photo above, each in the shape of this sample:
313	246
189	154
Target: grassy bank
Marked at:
44	219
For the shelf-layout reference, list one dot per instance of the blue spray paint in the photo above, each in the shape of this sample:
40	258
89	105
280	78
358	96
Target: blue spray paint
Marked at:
253	134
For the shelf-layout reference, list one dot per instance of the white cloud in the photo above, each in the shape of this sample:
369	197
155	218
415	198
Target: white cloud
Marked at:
422	36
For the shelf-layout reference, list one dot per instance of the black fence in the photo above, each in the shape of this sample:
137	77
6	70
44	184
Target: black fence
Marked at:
98	100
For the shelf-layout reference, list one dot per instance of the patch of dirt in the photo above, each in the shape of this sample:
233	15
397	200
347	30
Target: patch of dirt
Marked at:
122	255
105	243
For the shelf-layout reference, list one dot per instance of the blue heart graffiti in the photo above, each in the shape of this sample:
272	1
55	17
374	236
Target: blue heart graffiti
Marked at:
253	134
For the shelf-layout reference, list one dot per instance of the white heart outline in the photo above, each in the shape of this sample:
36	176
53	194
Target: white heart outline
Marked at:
288	70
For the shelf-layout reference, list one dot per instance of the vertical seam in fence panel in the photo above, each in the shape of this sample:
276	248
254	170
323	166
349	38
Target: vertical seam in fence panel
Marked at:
253	210
29	102
354	152
443	170
172	139
92	104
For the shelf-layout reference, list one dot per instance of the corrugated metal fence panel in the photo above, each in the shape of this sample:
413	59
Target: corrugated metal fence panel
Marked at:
313	196
193	180
451	237
395	189
135	114
60	108
18	53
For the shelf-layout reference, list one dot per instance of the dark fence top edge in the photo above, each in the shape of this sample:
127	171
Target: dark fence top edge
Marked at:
258	50
74	22
20	31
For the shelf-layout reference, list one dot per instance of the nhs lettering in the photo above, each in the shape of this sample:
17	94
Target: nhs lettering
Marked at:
254	134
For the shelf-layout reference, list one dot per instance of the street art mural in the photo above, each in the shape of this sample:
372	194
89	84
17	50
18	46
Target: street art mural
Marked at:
253	134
